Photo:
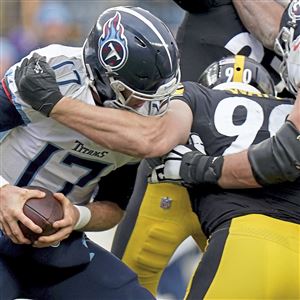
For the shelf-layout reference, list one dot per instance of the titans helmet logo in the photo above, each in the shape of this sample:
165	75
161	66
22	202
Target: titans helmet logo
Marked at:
113	50
294	9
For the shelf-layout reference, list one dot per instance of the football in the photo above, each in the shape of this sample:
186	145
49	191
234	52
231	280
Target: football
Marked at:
43	212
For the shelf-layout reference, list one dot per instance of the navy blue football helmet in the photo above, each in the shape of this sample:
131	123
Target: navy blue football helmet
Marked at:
131	50
288	37
238	69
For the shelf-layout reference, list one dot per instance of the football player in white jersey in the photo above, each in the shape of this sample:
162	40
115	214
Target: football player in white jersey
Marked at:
130	61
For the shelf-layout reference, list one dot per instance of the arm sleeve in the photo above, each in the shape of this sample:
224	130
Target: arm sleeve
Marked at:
118	185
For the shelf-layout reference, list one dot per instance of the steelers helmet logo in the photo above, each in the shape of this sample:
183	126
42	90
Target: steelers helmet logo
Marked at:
113	50
294	9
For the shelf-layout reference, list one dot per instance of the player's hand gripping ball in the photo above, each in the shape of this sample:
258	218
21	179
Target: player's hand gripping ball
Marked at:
43	212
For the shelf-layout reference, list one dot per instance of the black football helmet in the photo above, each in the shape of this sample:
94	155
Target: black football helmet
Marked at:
288	37
129	49
238	69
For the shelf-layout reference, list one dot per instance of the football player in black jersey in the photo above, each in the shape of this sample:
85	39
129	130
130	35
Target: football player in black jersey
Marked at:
253	234
235	118
237	171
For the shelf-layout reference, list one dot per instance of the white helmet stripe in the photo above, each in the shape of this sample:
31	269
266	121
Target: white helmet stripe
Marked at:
148	23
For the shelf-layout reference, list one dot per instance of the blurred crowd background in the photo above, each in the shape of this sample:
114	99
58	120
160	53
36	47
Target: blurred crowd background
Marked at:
29	24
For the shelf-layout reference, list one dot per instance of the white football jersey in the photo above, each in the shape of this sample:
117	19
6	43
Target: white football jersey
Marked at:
46	153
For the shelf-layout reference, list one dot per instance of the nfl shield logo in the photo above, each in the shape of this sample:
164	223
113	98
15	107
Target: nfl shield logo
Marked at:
165	202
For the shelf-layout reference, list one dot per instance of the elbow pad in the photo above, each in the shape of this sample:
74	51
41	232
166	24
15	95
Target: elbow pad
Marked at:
197	168
277	159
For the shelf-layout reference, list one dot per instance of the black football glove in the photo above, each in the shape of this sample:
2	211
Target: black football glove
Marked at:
37	85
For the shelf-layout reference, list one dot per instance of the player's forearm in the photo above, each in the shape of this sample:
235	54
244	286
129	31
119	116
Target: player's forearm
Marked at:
125	131
114	129
261	18
105	215
237	172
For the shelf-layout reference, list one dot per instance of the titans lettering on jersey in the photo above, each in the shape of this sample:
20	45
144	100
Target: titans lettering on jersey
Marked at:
229	122
45	153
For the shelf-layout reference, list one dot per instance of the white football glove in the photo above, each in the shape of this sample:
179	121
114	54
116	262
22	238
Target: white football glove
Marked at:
169	170
293	65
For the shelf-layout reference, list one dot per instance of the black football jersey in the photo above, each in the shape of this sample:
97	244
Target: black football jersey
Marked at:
228	122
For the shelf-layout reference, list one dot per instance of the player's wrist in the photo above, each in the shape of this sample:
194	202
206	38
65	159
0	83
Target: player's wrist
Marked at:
84	217
197	168
58	110
51	99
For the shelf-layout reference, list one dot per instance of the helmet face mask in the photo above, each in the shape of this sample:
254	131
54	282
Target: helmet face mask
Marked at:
157	103
289	32
237	71
130	49
283	41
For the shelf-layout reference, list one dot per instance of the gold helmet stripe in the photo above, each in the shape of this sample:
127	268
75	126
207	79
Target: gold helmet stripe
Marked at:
238	68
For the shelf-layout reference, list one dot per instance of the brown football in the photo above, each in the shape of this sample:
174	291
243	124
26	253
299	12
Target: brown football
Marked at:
43	212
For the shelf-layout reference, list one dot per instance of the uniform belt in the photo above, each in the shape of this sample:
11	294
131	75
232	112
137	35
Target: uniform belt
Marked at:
6	89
